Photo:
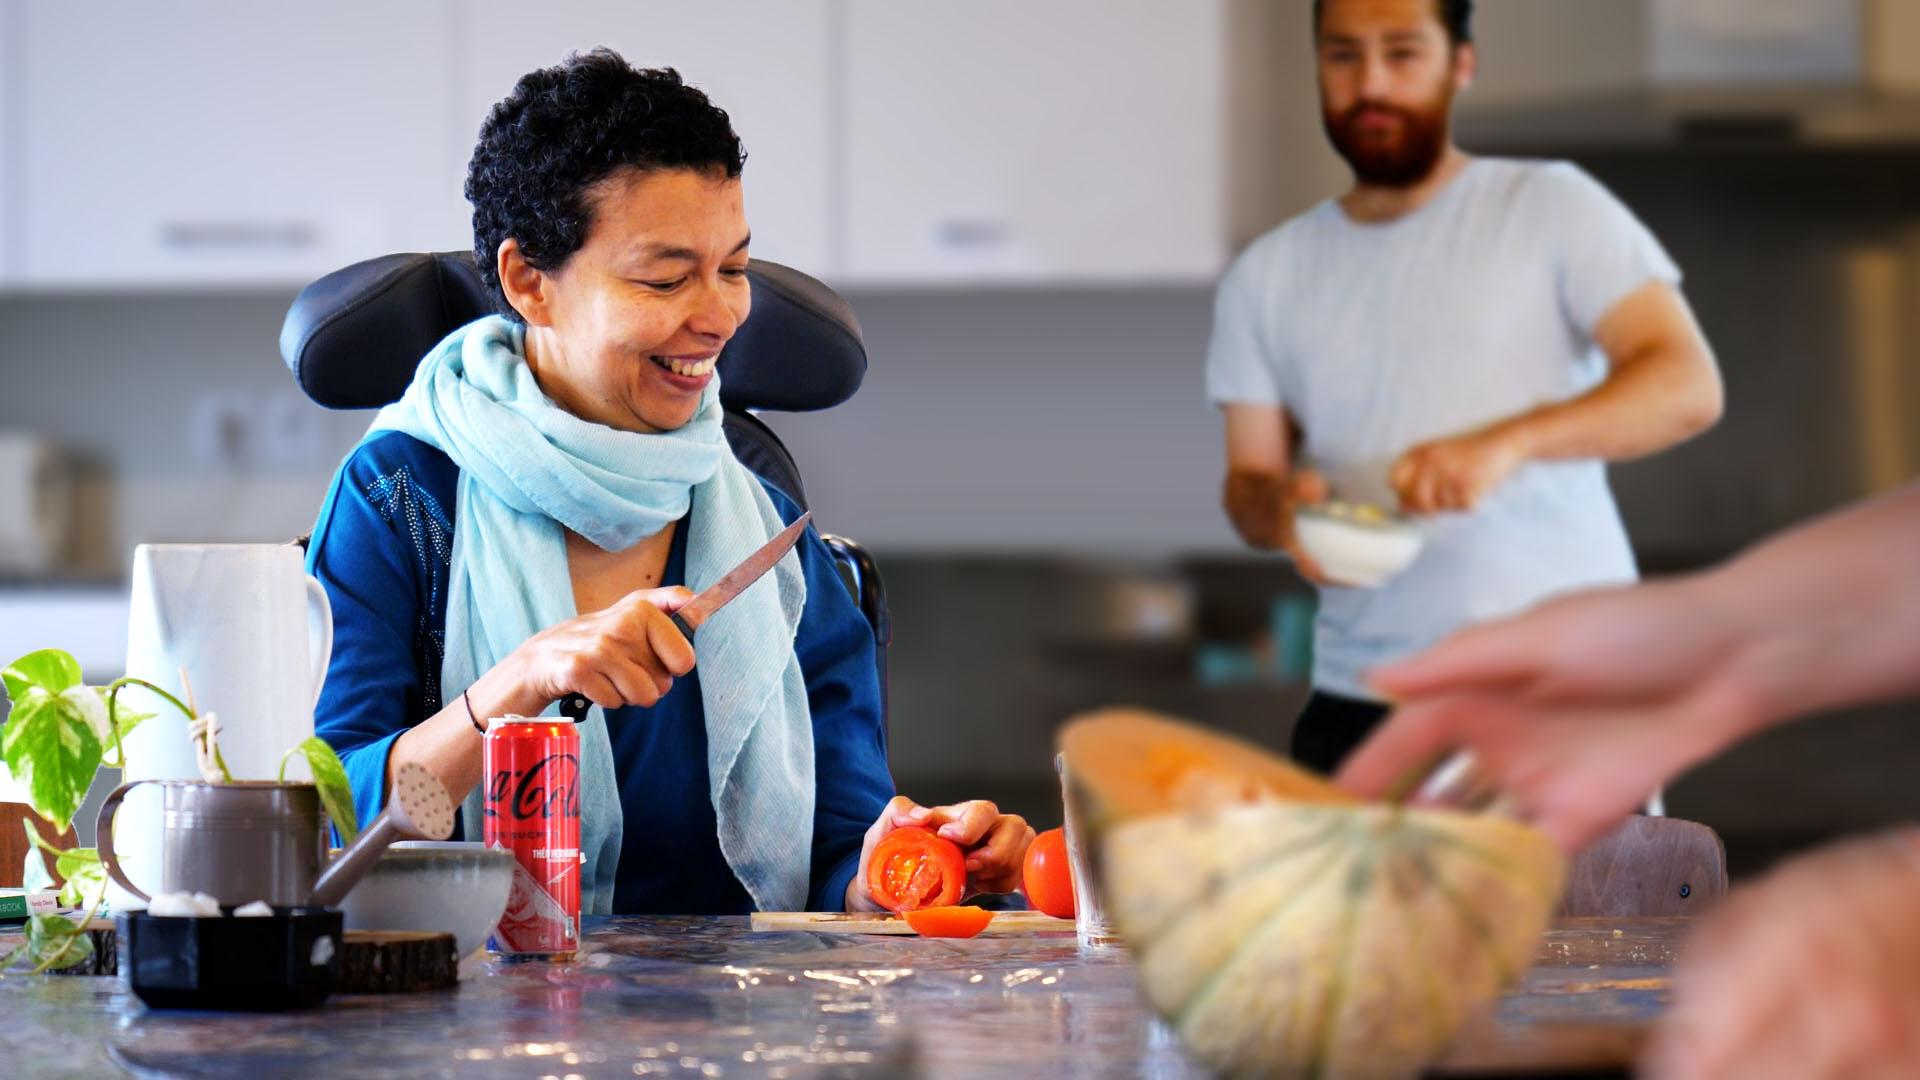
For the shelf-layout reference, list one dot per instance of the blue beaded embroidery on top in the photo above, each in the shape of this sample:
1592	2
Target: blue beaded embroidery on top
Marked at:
397	497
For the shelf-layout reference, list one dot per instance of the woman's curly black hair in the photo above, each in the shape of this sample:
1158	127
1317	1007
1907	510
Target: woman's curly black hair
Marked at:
563	129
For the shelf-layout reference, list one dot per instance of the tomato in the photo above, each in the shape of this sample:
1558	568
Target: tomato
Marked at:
948	921
1045	876
912	868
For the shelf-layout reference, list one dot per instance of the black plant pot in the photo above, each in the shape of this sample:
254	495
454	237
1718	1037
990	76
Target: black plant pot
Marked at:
267	963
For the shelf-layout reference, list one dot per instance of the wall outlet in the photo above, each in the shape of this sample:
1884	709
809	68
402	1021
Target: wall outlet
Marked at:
235	429
222	429
294	432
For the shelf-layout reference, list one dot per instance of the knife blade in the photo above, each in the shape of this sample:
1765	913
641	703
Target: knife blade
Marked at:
714	597
735	581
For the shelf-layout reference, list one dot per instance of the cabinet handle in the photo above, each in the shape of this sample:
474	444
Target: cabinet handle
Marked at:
238	236
972	234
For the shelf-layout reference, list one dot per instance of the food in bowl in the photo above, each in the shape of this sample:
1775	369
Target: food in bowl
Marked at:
440	886
1357	544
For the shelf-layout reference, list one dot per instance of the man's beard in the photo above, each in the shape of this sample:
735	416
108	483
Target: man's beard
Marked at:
1398	162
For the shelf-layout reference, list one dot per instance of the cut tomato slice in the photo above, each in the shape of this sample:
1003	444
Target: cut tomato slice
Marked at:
948	921
912	868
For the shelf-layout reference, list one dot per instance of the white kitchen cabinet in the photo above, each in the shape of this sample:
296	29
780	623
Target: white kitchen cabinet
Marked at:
1008	141
232	142
766	64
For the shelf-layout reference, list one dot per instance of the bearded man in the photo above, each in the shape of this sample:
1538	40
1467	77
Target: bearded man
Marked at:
1466	339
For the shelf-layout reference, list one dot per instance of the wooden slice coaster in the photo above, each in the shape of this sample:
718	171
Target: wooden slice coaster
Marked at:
396	962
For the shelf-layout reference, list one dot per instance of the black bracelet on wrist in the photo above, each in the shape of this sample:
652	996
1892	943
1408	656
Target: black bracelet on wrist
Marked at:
477	726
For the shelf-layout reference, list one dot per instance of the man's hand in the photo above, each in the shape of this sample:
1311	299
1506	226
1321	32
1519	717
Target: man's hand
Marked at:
1262	508
1662	387
1304	487
995	844
1265	484
1456	473
1814	973
1576	711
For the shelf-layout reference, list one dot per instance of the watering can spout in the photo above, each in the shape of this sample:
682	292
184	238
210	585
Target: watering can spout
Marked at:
418	807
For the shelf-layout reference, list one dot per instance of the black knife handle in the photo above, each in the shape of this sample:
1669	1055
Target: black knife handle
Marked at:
682	624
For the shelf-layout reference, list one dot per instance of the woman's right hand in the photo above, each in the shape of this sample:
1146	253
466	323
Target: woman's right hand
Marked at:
628	653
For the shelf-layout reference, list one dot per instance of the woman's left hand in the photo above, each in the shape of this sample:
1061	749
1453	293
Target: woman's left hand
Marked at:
995	844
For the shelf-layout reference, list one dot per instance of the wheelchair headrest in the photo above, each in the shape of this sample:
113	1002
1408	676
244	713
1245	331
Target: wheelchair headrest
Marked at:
353	338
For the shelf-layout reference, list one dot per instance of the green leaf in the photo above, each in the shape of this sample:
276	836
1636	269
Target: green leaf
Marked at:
51	670
124	720
85	703
85	874
220	759
49	746
80	860
55	941
34	838
25	704
331	778
86	877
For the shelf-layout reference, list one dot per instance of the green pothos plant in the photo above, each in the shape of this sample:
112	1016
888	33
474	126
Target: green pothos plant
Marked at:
57	735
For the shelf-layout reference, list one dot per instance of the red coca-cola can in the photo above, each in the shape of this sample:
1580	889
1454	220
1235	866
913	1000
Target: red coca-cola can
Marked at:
531	807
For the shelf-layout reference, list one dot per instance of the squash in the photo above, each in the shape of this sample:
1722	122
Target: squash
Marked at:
1284	928
1136	764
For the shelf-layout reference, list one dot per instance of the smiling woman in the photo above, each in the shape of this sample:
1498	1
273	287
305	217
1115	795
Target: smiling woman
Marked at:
646	310
645	263
521	523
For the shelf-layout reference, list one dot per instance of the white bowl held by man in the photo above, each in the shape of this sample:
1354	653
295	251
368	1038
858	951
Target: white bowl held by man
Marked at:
1357	544
434	885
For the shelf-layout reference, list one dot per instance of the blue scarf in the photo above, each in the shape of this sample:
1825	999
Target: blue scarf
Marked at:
528	468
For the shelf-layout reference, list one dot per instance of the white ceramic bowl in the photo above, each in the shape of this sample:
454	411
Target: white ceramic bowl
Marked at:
435	885
1357	545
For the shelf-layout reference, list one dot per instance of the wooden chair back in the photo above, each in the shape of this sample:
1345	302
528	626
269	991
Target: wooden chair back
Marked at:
14	845
1648	866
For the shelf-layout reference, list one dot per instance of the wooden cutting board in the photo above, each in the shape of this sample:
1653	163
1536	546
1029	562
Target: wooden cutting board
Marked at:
1004	924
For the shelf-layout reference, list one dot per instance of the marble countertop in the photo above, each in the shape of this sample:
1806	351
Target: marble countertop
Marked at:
707	997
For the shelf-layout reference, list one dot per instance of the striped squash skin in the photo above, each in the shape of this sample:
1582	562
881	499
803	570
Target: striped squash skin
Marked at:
1285	940
1294	938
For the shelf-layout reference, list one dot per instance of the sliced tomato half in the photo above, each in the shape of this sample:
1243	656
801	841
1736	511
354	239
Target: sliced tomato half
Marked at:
911	868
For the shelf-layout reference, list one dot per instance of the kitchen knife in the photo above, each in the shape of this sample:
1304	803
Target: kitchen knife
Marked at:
714	597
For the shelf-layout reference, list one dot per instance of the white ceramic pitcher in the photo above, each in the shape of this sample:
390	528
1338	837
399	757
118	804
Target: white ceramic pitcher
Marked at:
254	633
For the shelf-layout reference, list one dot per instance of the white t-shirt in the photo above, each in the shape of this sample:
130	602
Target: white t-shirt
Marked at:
1375	337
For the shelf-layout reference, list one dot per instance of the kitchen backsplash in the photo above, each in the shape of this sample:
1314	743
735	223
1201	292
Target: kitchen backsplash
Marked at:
1062	420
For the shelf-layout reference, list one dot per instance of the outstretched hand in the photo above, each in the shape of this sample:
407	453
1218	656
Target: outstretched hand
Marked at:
1576	711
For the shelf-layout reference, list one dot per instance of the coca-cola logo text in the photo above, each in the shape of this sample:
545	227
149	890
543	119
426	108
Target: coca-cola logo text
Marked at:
550	788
